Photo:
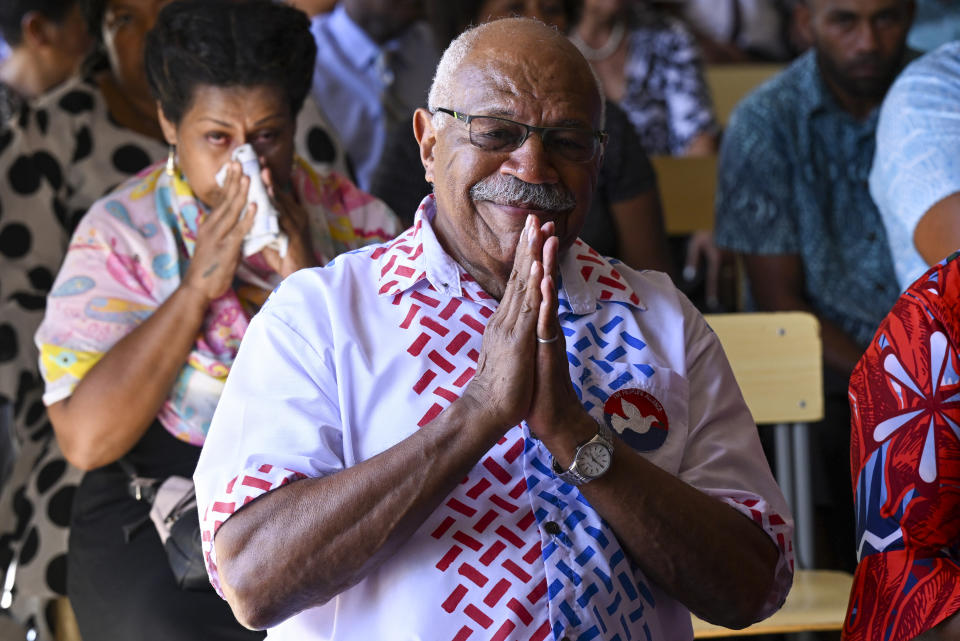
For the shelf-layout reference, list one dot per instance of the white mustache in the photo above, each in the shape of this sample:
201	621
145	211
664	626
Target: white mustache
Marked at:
511	191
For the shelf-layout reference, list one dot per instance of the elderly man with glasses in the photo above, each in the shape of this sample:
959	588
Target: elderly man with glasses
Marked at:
484	429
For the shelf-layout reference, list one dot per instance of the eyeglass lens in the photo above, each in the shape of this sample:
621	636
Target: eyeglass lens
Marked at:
494	134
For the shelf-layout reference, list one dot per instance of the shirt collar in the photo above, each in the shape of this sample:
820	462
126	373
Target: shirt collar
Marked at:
354	42
815	96
415	260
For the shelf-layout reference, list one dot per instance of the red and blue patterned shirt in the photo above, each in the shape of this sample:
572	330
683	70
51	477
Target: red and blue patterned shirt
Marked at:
905	458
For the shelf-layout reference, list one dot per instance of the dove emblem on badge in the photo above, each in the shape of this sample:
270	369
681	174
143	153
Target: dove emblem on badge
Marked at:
638	418
635	419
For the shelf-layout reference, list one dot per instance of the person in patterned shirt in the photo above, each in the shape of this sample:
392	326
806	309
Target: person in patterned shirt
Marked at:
793	202
905	463
484	429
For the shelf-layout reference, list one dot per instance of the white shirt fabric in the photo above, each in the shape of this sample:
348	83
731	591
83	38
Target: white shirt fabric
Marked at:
917	160
346	361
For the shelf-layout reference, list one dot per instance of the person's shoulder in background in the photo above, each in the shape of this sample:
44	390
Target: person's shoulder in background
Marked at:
916	164
785	93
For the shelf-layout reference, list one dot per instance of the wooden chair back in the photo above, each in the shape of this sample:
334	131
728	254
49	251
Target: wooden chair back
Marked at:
776	359
729	84
687	189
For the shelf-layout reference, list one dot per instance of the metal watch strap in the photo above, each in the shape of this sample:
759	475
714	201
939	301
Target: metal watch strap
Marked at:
572	475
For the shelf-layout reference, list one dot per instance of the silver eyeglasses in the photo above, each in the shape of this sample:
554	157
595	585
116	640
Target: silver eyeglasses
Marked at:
499	135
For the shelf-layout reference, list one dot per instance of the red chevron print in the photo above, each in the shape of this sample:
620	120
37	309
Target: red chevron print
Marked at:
253	483
476	597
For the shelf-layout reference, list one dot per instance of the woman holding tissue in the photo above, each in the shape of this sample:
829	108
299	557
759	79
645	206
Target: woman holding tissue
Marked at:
148	310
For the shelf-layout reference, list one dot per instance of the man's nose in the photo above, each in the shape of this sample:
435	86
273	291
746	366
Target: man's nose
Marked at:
531	163
867	39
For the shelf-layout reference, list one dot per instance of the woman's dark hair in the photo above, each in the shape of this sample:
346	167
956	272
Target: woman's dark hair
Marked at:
449	18
13	11
228	43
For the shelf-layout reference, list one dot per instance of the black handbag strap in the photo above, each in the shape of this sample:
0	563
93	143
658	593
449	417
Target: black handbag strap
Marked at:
141	488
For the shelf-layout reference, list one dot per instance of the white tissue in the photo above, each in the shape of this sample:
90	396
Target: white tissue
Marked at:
266	225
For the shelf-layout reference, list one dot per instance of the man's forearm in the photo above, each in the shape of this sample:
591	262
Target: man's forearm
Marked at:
840	352
302	544
691	545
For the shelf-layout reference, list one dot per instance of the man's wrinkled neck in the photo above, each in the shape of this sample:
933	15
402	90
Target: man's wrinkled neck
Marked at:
492	276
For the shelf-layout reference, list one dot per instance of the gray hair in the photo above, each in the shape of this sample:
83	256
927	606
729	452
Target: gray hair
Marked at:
441	89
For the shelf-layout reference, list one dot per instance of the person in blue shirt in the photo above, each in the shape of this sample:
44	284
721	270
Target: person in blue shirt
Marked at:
793	199
375	61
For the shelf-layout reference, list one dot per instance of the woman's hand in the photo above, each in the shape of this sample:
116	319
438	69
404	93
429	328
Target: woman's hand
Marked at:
220	239
295	222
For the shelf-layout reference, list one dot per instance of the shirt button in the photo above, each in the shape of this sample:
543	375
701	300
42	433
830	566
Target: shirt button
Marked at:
551	528
872	236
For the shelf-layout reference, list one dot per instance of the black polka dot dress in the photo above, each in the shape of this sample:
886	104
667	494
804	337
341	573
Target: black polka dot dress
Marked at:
57	156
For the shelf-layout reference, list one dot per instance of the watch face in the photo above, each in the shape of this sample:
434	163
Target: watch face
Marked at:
593	459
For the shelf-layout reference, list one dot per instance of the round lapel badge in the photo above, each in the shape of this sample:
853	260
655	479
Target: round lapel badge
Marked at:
638	418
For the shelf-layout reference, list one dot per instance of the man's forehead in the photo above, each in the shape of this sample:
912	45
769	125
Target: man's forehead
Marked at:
509	86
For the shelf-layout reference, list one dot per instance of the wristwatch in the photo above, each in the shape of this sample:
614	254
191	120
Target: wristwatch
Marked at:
592	459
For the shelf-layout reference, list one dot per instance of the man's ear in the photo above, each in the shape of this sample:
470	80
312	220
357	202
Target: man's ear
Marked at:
426	137
803	22
34	29
169	129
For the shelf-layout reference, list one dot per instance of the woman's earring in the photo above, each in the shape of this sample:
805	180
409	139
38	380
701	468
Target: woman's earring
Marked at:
172	160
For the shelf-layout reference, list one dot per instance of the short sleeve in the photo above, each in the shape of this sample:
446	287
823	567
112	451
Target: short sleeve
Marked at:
723	457
354	217
916	163
754	203
278	418
905	461
106	287
373	221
